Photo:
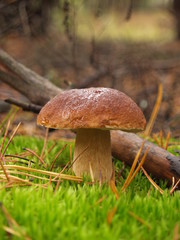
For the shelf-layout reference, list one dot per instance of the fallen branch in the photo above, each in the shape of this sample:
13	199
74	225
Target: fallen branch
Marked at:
25	106
36	88
124	145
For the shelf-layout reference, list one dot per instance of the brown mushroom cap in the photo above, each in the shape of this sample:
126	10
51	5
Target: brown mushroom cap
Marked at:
101	108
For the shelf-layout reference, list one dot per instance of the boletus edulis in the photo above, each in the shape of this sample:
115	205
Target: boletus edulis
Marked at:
92	113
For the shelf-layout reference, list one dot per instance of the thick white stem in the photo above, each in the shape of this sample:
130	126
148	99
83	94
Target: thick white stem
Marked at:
93	154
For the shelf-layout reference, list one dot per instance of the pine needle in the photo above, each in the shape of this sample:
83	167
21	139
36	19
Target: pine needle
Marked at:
155	111
11	231
113	173
174	187
114	189
64	168
160	143
8	217
19	232
15	180
5	135
137	169
167	141
12	136
100	200
17	156
151	181
156	140
161	138
44	172
139	219
45	143
3	168
57	155
7	118
176	235
70	152
110	215
78	157
10	116
133	166
59	176
49	150
25	174
36	155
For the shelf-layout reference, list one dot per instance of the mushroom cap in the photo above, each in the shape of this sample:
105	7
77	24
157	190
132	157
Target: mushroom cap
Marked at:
102	108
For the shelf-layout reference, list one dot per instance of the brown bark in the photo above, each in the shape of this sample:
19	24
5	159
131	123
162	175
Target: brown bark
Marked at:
124	145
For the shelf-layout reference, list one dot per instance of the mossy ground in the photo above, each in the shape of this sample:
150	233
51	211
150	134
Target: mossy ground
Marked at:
84	211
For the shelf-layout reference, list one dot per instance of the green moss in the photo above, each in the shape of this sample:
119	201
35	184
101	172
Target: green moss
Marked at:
73	212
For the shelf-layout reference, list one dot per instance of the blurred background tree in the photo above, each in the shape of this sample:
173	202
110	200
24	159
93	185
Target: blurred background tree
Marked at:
28	17
33	17
176	11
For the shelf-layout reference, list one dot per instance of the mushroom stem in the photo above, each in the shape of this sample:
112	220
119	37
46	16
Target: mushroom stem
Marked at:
96	160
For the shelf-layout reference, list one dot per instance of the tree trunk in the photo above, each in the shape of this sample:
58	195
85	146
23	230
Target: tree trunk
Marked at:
176	11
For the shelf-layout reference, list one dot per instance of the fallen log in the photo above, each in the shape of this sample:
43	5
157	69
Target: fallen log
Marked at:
160	163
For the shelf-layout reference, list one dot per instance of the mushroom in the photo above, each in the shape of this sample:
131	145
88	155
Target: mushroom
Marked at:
92	113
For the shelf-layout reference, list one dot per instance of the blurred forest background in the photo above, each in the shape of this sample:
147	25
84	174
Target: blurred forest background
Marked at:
129	45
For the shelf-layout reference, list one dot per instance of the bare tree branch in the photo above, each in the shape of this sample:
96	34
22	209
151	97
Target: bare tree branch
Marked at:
38	89
25	106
